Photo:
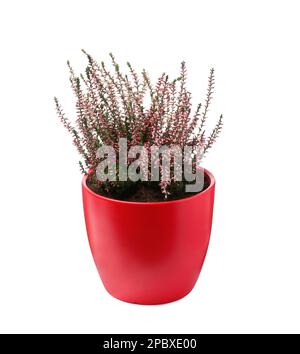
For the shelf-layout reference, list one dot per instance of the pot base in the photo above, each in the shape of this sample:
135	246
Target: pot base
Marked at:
151	303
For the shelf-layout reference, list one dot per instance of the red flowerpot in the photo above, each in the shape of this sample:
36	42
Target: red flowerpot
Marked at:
149	253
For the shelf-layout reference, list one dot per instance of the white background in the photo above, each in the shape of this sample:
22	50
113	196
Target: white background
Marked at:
250	281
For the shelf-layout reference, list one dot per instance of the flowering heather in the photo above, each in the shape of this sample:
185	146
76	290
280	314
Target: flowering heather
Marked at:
111	105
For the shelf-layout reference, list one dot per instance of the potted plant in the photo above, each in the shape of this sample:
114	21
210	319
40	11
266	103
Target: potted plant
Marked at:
148	205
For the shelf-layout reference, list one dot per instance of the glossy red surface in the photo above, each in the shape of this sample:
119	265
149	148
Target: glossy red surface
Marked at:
149	253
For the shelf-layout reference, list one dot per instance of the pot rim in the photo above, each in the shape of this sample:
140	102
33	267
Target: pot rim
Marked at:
212	183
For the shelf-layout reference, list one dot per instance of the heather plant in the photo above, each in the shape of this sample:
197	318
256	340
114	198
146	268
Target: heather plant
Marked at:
111	105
